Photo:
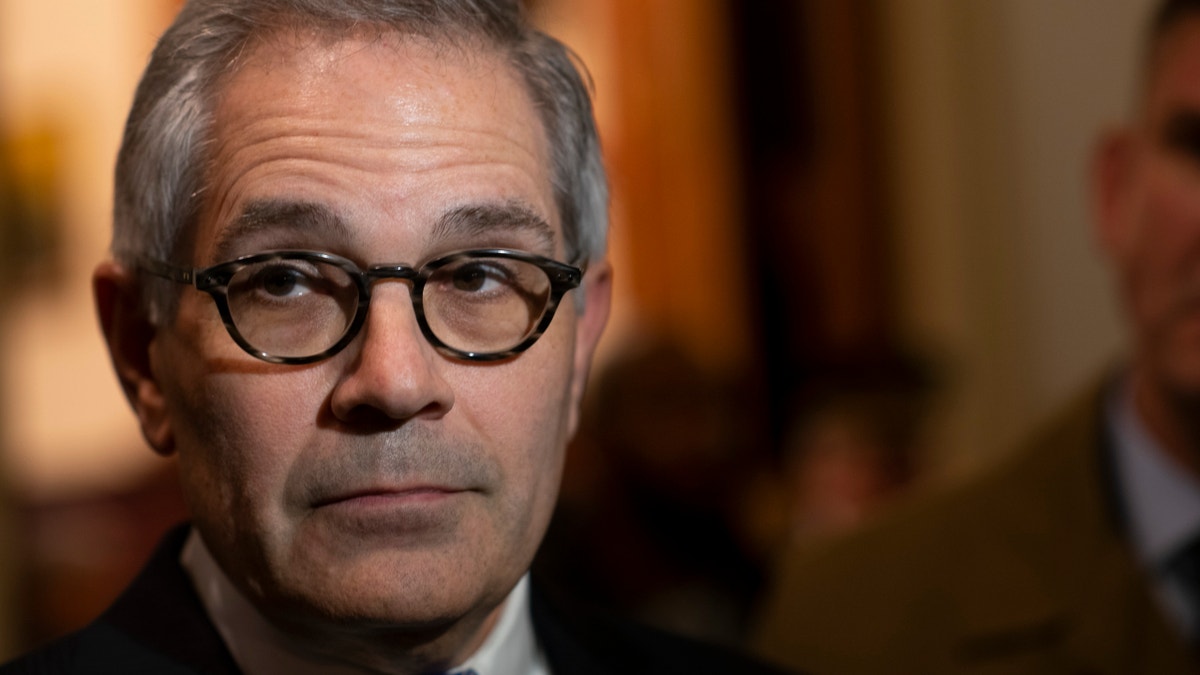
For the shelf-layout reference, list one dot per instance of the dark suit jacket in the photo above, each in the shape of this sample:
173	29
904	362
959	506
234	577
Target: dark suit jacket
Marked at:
159	626
1023	569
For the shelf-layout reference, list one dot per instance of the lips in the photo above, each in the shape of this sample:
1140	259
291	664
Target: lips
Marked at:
411	515
386	495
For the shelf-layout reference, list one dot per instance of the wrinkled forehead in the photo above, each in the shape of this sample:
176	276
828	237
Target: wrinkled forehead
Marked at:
280	54
388	64
390	94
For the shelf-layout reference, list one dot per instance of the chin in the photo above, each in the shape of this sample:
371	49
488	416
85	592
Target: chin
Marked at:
417	593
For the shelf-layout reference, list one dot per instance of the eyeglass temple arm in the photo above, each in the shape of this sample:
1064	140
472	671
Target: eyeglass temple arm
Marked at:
168	271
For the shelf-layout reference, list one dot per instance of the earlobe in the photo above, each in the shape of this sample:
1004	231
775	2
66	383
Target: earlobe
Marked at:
589	327
130	336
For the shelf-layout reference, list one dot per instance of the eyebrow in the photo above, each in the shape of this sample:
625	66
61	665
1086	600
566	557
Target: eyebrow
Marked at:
470	221
261	215
481	219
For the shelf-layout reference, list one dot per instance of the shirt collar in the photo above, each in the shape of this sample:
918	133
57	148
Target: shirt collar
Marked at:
1161	499
261	649
511	648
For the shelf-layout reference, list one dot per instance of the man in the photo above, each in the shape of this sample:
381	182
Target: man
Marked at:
1072	555
342	231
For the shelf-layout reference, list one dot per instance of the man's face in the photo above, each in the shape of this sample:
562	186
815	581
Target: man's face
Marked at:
1149	192
388	485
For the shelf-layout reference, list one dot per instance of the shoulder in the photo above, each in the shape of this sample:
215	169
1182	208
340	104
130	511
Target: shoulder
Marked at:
990	548
94	650
61	656
1020	501
583	642
157	625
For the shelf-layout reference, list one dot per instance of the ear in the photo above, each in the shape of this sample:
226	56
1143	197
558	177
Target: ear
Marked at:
1112	188
588	328
130	336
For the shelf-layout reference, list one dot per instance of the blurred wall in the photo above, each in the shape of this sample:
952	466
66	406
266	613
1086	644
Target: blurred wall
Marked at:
990	110
67	73
663	97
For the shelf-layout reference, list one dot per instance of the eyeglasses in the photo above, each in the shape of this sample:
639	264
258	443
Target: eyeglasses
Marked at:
298	307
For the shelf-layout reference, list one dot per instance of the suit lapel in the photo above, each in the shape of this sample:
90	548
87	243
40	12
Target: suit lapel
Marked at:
559	640
1081	600
161	614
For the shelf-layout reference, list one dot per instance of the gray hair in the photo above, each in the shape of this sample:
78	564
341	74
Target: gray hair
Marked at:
161	166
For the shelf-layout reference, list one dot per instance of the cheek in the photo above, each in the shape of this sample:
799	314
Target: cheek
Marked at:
246	434
1164	242
225	450
519	412
519	409
527	396
1172	220
237	424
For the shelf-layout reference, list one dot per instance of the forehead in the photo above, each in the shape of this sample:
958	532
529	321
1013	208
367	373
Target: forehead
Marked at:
378	126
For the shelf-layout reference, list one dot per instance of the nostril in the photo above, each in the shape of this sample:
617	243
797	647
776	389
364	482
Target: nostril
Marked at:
367	419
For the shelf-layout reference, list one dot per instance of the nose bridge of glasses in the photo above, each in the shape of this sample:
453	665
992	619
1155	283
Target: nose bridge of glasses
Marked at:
396	272
390	271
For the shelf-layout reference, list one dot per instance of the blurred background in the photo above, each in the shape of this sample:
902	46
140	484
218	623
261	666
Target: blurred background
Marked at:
853	252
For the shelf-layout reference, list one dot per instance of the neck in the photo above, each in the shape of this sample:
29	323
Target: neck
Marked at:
387	649
1172	416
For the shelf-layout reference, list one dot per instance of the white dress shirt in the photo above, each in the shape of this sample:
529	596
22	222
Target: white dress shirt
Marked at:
1161	501
261	649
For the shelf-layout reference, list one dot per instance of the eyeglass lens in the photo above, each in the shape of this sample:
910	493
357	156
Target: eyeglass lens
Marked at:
300	307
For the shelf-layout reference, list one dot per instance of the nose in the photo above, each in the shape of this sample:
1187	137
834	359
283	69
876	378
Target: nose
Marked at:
394	375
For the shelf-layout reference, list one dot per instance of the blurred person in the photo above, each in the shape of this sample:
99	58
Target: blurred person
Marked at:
369	449
844	461
1078	554
648	524
854	443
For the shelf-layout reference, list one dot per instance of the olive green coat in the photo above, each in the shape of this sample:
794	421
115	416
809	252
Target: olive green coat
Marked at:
1022	569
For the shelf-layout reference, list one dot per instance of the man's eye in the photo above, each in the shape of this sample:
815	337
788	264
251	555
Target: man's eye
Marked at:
1182	135
282	281
479	277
